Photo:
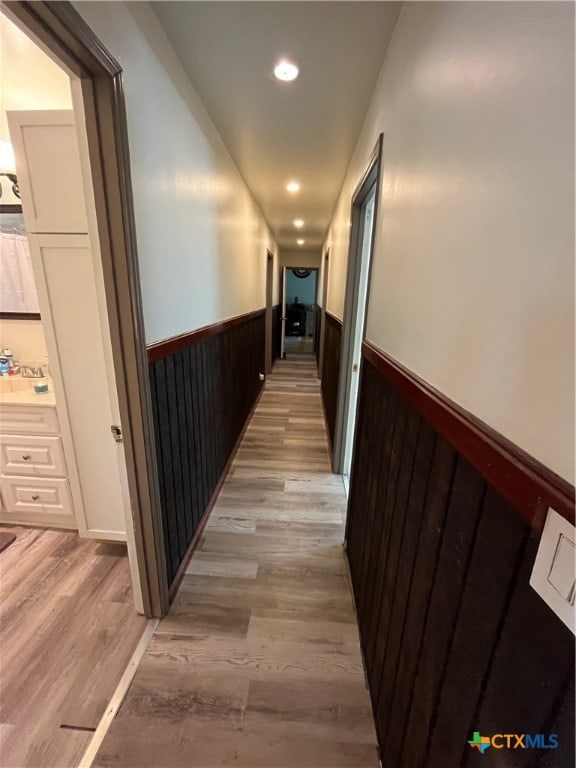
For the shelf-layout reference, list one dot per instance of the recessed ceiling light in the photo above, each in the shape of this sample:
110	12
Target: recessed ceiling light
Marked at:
293	186
286	71
298	223
300	242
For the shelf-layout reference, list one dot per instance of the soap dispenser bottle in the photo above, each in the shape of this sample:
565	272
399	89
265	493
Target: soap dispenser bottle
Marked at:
9	355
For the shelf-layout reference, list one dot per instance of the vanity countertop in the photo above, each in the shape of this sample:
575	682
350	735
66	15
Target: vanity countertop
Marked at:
19	391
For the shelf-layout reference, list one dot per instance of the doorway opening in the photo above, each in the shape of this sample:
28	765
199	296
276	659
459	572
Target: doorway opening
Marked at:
69	565
323	297
269	342
99	122
364	215
299	326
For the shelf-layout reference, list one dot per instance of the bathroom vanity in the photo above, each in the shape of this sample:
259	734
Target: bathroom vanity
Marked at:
34	481
74	474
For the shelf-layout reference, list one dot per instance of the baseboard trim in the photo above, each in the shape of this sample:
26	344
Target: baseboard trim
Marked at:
177	580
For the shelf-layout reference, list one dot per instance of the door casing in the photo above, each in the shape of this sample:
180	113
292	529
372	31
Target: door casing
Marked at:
63	34
285	271
326	269
269	302
369	180
283	313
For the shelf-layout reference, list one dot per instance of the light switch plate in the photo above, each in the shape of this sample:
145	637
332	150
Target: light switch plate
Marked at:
554	572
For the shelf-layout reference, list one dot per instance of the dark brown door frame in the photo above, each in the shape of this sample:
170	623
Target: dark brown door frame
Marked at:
312	269
58	28
269	333
323	310
371	180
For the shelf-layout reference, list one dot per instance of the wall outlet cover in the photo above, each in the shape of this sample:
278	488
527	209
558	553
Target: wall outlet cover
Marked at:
554	572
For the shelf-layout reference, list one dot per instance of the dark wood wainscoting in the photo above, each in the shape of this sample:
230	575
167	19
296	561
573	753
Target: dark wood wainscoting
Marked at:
330	371
276	333
203	389
317	330
454	638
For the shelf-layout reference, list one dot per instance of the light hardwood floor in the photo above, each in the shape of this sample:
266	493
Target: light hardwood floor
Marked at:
258	662
67	631
297	345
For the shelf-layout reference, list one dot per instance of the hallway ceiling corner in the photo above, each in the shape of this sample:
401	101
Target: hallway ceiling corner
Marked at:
277	132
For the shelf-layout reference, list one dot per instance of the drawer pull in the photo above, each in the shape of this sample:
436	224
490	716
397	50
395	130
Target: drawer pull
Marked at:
35	497
26	457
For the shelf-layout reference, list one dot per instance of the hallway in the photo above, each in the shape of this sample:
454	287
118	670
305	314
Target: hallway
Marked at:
415	163
258	661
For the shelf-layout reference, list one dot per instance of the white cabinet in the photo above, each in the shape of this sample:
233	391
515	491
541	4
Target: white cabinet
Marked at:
41	502
51	178
65	281
33	479
41	456
68	275
22	419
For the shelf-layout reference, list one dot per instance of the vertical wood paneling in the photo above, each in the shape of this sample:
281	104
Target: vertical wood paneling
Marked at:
500	541
425	560
387	575
330	371
532	657
404	575
454	638
317	330
201	397
378	528
561	722
458	535
377	566
360	537
276	332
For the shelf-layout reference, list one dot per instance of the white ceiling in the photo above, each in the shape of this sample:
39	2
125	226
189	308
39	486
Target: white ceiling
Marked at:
275	132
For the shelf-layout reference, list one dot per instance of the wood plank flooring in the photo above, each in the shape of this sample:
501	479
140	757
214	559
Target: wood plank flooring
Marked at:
258	661
67	631
295	345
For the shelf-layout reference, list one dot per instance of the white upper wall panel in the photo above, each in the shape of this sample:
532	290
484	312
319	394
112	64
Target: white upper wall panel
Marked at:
201	237
29	79
473	275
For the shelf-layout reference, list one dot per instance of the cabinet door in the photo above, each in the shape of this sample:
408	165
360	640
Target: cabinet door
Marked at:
49	171
67	294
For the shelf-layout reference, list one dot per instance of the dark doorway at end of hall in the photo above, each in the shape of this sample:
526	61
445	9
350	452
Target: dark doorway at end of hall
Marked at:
300	312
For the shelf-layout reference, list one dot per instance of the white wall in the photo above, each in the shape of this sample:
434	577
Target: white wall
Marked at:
30	80
201	238
473	276
302	287
297	259
25	338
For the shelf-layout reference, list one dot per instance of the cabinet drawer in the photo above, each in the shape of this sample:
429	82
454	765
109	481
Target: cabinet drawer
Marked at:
45	501
28	420
32	455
